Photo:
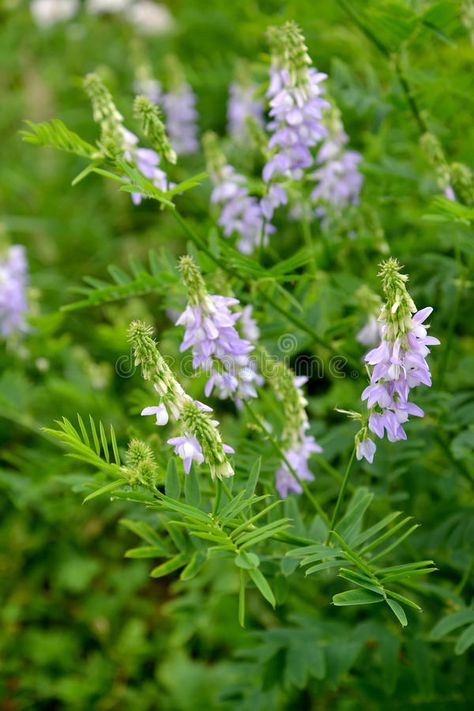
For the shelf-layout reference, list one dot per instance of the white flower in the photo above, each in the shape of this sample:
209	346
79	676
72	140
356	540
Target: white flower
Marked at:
47	13
96	7
150	18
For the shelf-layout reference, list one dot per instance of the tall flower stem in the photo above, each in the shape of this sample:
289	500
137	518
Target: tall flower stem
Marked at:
217	501
340	497
453	318
308	238
258	421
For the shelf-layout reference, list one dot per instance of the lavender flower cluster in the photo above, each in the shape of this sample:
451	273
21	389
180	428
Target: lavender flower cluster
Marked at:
180	111
242	105
300	450
13	280
217	346
147	162
398	364
181	119
338	179
199	440
296	109
241	213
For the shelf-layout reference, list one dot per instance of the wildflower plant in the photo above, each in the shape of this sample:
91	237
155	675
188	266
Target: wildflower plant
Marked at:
250	493
398	363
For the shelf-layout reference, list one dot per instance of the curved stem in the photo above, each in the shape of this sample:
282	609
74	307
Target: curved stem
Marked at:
340	497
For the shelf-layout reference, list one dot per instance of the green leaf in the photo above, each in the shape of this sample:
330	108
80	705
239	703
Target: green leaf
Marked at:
142	530
253	478
451	622
106	489
356	597
247	560
242	598
192	493
262	584
193	567
172	481
349	525
55	134
146	552
170	566
398	611
188	184
465	640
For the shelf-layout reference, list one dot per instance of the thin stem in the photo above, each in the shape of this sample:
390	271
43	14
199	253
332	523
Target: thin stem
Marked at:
340	497
217	501
452	321
308	238
281	453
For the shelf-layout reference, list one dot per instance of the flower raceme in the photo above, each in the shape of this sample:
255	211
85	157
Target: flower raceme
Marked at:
241	105
296	107
118	142
398	364
298	444
181	118
199	439
217	346
241	213
13	303
338	179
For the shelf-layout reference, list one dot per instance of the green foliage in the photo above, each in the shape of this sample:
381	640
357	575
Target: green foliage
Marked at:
167	592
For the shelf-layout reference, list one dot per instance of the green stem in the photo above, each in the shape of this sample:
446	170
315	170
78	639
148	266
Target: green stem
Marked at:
340	497
217	501
308	238
257	419
452	321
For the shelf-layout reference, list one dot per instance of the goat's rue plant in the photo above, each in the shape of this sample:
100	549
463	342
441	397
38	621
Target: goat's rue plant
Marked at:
256	486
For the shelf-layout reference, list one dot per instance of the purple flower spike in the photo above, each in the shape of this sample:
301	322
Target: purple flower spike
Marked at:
242	105
181	119
13	279
398	364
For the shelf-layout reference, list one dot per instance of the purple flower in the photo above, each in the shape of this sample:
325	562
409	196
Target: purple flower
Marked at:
146	160
299	445
218	348
160	411
338	179
181	118
188	448
298	458
248	324
296	107
366	449
370	334
149	87
241	213
241	105
13	279
399	365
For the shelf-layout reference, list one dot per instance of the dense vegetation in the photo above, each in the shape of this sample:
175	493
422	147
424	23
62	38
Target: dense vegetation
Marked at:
299	571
